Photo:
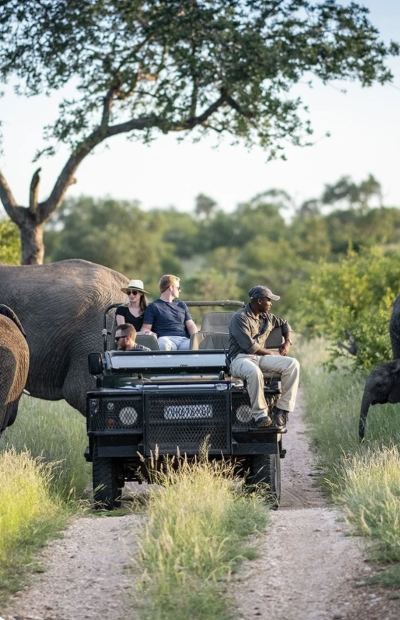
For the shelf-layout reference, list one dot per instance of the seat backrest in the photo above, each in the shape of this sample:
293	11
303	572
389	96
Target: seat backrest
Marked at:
216	322
274	339
149	341
209	340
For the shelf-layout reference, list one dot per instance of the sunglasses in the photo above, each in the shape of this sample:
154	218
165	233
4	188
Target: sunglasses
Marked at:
133	293
119	338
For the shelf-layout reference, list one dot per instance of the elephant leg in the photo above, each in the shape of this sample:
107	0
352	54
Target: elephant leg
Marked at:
77	383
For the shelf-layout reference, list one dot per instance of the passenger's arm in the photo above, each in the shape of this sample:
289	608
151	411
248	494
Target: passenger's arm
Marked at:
146	328
120	319
191	327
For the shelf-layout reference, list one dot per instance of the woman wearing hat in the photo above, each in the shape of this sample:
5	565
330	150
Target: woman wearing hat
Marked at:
133	311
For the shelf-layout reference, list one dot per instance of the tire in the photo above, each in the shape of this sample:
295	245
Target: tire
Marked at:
106	482
265	469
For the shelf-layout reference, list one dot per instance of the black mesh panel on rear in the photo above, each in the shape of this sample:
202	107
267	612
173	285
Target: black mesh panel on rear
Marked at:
184	421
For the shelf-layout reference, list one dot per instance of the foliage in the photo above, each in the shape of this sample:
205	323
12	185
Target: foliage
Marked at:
355	195
29	515
356	294
220	65
116	234
225	67
196	535
10	243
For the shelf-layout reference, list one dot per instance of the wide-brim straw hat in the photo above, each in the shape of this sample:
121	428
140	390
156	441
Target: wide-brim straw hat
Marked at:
134	285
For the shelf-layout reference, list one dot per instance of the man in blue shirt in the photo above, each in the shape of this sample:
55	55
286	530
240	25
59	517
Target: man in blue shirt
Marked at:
169	318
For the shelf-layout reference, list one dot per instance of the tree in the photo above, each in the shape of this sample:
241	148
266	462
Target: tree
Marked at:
184	66
130	242
204	206
356	196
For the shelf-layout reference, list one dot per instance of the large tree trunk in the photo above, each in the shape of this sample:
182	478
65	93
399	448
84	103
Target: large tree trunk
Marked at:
32	246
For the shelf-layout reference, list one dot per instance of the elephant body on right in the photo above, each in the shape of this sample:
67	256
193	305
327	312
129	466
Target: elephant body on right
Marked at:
383	383
14	365
394	329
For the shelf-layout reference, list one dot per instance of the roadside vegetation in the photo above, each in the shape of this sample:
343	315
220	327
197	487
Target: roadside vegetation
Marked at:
364	479
43	477
197	534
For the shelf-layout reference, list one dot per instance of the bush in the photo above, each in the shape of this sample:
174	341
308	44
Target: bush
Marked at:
10	243
355	295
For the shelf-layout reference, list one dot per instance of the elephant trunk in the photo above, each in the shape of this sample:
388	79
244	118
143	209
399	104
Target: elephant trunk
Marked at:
365	404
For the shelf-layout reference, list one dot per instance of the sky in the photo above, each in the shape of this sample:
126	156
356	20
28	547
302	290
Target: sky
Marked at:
364	138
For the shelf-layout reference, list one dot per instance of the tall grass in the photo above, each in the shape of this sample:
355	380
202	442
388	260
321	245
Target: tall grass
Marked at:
57	433
364	478
195	538
29	513
42	474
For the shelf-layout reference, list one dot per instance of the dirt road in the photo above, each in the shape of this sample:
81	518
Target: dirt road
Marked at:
308	568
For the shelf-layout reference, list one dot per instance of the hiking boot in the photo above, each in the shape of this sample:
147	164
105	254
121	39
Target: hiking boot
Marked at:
279	417
262	421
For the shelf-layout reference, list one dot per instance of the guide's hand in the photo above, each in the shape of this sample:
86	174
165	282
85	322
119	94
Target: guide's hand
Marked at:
284	348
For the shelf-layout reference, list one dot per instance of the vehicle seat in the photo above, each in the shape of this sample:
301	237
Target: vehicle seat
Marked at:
275	339
216	322
149	341
209	340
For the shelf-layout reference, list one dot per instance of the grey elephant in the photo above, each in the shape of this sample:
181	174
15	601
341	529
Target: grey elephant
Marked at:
382	386
14	364
61	307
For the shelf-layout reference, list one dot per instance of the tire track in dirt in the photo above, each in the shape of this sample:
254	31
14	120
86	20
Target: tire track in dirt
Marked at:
88	574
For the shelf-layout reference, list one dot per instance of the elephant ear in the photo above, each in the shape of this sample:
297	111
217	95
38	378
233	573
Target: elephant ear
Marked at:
394	395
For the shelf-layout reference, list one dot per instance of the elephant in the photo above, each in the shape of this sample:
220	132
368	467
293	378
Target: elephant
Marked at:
61	307
14	364
382	386
394	329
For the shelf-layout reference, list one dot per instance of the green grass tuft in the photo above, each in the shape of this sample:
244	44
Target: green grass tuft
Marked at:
195	538
43	475
57	433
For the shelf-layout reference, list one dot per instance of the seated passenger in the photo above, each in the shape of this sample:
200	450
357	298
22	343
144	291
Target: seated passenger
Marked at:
133	311
248	331
125	337
169	318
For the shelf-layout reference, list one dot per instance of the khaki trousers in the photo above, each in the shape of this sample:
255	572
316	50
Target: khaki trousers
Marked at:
253	367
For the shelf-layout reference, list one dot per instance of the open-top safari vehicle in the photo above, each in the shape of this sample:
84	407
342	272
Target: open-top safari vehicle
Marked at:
166	402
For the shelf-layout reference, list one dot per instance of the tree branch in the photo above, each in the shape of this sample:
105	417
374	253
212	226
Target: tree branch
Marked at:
8	199
100	134
34	192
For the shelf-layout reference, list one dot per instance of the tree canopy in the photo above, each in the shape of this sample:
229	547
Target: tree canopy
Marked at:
184	66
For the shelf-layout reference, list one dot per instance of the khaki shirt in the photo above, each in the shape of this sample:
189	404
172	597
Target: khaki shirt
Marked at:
248	332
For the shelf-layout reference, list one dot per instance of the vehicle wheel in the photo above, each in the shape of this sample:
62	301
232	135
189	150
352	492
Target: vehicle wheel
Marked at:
265	469
106	483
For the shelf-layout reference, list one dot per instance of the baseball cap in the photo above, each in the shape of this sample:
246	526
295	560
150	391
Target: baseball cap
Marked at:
262	291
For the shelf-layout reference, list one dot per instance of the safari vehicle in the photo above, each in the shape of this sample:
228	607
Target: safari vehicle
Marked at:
164	402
